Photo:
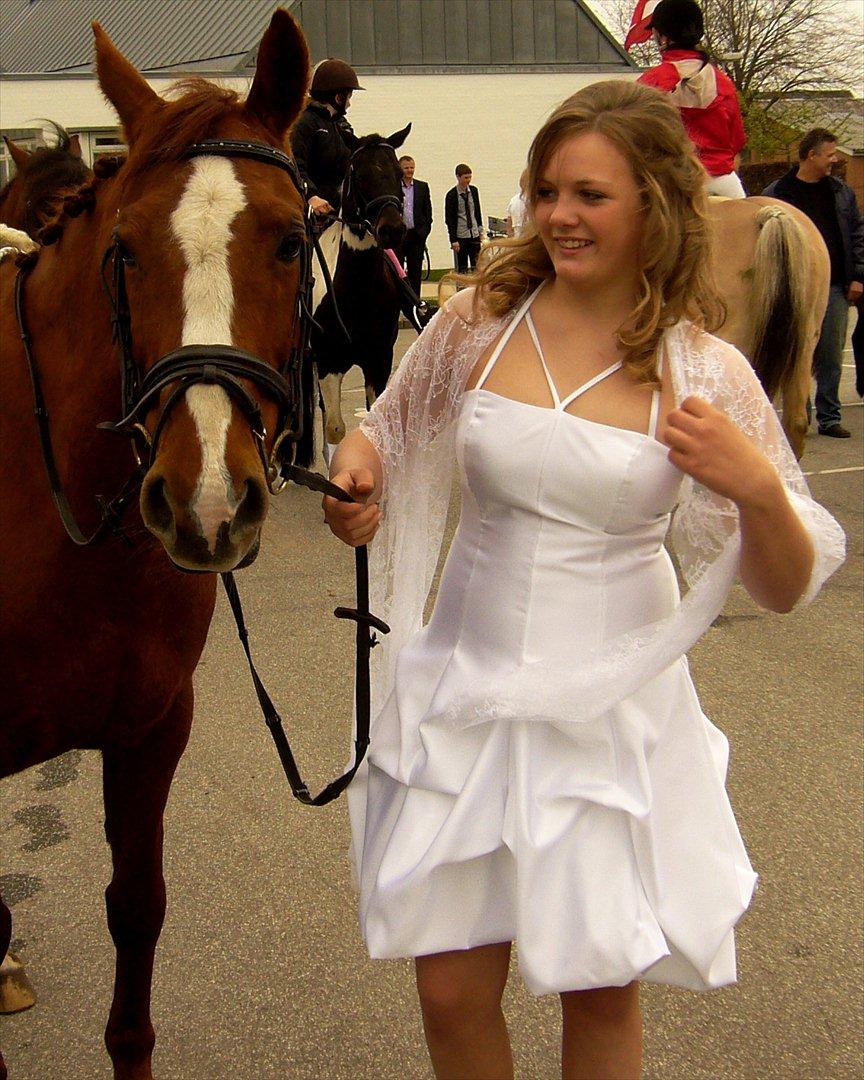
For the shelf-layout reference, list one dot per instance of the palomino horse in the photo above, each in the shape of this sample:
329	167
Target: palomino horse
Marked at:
44	176
772	269
188	249
365	300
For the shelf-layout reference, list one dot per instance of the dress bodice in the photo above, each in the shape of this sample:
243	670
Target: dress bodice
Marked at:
560	540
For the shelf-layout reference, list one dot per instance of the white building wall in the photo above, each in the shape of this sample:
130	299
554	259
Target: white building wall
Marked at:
487	121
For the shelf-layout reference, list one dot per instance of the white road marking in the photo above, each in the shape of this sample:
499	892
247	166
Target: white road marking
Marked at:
828	472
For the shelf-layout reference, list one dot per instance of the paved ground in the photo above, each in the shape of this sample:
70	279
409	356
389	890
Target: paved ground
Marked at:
261	972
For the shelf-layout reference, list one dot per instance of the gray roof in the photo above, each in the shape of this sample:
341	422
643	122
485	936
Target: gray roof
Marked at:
382	36
53	36
460	35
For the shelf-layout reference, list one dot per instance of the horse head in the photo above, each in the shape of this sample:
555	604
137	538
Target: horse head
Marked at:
43	178
372	191
205	231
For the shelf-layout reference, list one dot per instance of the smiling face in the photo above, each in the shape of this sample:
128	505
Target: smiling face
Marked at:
407	169
822	158
588	213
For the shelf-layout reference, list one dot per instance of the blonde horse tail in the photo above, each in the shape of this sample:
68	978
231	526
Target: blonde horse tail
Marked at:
780	297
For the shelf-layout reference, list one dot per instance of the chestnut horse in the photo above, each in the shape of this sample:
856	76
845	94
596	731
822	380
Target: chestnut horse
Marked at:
772	269
43	177
196	248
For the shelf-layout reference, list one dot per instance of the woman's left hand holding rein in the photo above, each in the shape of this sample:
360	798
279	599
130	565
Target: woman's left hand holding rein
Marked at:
776	551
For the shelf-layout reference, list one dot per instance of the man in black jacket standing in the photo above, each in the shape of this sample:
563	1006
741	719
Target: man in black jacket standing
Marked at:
322	140
831	206
417	215
464	219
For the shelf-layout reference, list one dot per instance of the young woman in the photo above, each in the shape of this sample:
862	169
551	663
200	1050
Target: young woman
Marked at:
540	769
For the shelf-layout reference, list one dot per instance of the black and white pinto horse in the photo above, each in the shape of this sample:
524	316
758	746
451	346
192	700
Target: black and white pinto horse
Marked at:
358	319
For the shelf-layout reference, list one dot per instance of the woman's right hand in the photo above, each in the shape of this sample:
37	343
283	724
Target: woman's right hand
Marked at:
355	523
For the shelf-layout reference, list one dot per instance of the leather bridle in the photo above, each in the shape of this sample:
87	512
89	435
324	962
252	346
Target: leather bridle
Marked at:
222	365
368	211
225	366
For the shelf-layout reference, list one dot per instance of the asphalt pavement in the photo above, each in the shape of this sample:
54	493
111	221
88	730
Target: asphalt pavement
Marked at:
261	972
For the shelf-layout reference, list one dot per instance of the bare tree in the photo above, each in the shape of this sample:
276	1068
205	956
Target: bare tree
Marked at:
771	50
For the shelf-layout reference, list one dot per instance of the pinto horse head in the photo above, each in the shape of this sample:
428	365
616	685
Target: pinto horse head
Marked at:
42	178
211	247
372	192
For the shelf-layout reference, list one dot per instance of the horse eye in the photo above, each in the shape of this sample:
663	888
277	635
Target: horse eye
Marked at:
289	247
125	254
123	250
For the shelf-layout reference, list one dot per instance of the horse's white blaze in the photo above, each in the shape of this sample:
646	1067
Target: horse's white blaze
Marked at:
201	224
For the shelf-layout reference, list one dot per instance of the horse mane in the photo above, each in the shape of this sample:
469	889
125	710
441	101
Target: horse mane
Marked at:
49	169
191	114
374	139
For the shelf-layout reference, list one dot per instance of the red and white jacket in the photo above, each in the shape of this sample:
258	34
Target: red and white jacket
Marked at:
708	103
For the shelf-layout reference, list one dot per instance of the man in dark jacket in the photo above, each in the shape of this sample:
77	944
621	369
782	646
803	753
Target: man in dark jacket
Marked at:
322	140
831	206
417	214
463	219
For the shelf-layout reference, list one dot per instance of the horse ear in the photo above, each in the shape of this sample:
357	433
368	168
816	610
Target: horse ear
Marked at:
124	86
281	78
75	146
19	155
399	137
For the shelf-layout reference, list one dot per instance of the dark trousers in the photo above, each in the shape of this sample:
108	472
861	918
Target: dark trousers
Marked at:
828	358
858	350
412	258
468	252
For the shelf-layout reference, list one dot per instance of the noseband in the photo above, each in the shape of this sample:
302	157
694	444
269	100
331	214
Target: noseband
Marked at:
221	365
368	210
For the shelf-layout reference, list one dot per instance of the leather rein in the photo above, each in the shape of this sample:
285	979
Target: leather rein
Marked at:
223	365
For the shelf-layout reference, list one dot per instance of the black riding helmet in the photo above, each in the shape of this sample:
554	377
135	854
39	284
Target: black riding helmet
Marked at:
333	76
680	21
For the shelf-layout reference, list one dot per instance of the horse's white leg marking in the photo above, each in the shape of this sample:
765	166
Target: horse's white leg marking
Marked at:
331	395
201	223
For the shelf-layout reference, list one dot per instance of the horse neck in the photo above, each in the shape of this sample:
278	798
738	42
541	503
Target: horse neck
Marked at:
68	319
12	205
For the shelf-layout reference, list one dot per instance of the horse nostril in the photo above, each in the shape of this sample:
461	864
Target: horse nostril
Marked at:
252	508
155	508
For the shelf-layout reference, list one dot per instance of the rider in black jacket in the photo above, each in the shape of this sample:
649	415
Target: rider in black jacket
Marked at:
322	140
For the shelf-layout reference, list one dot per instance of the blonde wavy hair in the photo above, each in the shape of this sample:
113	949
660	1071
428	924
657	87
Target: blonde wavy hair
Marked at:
675	276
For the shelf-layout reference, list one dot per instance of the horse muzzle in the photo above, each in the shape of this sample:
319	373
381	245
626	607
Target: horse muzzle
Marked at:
211	531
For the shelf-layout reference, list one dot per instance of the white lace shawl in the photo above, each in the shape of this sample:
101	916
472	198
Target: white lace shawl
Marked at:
412	427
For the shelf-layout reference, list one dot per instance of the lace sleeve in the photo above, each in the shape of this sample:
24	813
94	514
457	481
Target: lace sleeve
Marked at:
412	428
705	522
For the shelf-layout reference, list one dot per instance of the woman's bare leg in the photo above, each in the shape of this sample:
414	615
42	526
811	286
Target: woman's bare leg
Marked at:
460	998
602	1034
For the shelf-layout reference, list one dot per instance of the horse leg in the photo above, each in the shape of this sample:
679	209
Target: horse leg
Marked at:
795	419
334	424
16	993
136	781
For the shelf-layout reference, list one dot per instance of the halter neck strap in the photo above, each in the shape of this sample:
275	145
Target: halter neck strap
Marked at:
505	337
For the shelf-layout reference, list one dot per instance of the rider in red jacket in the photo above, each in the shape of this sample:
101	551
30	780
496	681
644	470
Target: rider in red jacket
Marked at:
705	95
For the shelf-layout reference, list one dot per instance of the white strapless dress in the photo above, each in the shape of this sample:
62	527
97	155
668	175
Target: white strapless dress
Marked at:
606	850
